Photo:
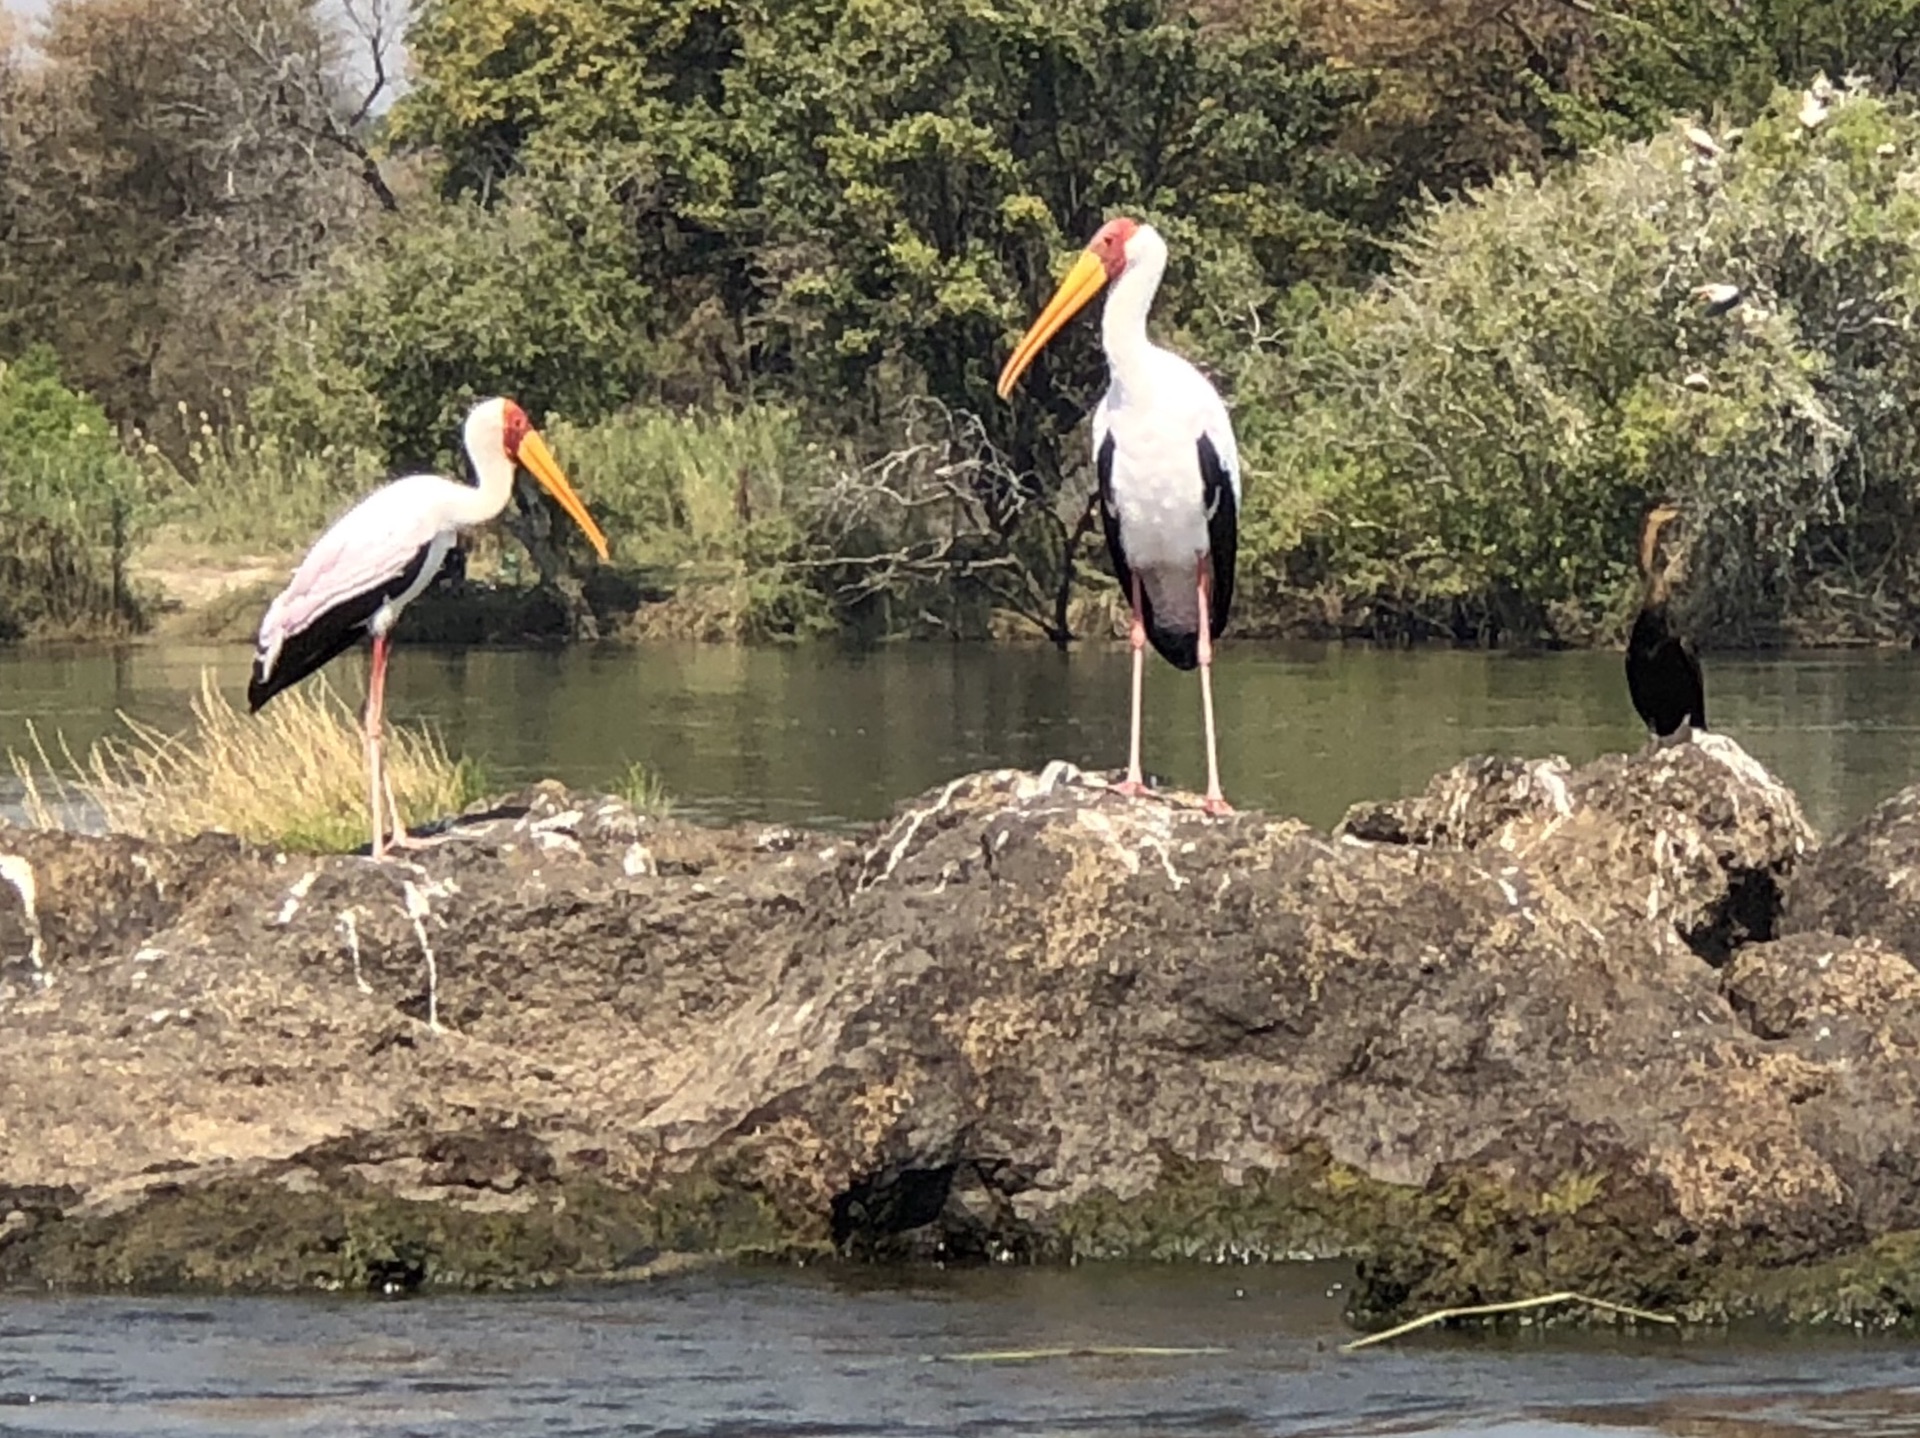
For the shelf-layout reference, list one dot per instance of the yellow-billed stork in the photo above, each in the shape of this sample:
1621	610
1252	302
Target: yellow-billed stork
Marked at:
380	555
1168	466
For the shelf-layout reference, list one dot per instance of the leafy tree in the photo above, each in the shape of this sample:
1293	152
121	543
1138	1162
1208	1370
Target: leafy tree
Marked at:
537	297
173	164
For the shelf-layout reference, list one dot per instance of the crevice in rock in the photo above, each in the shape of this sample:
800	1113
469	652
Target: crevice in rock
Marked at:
878	1209
1749	914
955	1213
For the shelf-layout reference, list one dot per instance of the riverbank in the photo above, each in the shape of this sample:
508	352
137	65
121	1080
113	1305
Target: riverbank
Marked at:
1626	1028
205	596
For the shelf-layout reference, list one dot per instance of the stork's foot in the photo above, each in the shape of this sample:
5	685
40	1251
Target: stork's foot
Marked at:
1132	789
396	843
1217	805
403	840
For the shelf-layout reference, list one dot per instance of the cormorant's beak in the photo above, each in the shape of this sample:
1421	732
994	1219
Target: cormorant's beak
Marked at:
541	464
1082	283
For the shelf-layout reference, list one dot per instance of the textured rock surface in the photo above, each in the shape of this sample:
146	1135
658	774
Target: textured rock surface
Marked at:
1529	1030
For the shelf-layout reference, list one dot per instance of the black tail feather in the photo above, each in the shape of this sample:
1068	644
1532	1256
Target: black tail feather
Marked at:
1181	650
303	654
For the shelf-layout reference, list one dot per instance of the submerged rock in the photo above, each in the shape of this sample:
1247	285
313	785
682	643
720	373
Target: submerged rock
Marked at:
1530	1030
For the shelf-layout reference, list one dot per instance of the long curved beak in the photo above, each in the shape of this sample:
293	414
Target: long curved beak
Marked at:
541	464
1082	283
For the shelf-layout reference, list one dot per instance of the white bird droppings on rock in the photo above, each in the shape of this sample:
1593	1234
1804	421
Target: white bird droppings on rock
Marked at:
19	873
302	887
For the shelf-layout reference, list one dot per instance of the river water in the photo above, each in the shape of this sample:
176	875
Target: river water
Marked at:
821	736
818	735
783	1355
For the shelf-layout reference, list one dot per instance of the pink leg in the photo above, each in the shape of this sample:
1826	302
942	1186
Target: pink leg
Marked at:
376	702
1216	802
1135	784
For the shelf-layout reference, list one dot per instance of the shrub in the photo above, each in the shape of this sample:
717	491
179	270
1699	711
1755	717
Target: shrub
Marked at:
71	506
258	491
715	502
1473	440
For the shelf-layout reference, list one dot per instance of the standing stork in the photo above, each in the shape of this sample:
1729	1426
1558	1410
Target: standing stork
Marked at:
1169	471
380	555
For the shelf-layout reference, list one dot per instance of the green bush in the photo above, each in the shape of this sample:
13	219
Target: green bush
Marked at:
714	504
71	506
1469	445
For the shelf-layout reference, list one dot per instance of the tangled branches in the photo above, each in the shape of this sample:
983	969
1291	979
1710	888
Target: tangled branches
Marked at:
945	519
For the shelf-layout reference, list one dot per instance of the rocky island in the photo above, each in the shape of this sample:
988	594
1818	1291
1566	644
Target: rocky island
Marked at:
1627	1028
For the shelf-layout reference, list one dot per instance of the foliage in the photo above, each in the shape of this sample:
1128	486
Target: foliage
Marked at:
1480	433
251	490
872	239
170	165
1464	90
756	266
644	791
717	503
71	506
293	776
537	296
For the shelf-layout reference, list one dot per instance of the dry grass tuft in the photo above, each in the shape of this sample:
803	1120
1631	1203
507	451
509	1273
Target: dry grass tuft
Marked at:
293	775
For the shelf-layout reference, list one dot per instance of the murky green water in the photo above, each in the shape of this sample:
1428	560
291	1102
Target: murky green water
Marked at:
823	736
791	1355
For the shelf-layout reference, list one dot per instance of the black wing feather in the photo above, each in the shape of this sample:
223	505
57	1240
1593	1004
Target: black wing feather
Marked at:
1223	533
1182	651
331	634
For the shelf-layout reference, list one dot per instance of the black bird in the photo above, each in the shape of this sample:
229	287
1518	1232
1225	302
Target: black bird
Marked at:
1663	672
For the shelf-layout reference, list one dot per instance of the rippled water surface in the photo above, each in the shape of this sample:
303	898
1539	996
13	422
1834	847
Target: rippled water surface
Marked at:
821	736
784	1353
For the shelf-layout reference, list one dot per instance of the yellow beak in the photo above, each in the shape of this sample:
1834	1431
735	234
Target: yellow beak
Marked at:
1082	283
541	464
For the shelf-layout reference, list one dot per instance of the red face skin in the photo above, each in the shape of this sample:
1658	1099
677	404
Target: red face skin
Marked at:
1109	245
514	429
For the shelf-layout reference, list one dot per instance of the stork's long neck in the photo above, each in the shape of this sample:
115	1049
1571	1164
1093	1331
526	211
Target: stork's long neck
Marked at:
494	472
1123	326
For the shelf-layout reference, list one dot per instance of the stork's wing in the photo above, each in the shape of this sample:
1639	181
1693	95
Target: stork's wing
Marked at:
371	555
1220	491
365	549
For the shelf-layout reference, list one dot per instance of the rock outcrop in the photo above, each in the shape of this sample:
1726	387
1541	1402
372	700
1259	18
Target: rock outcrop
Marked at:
1534	1029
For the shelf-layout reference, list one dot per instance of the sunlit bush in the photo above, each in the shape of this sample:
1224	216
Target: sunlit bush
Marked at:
255	491
71	506
715	504
1476	437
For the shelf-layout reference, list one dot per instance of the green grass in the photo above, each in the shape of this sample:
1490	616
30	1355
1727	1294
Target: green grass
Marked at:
254	491
713	505
642	788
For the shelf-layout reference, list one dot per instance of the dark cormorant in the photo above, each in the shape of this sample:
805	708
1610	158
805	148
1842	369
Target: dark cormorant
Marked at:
1663	673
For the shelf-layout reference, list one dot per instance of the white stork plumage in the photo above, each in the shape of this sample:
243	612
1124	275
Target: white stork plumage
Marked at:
1169	471
380	555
